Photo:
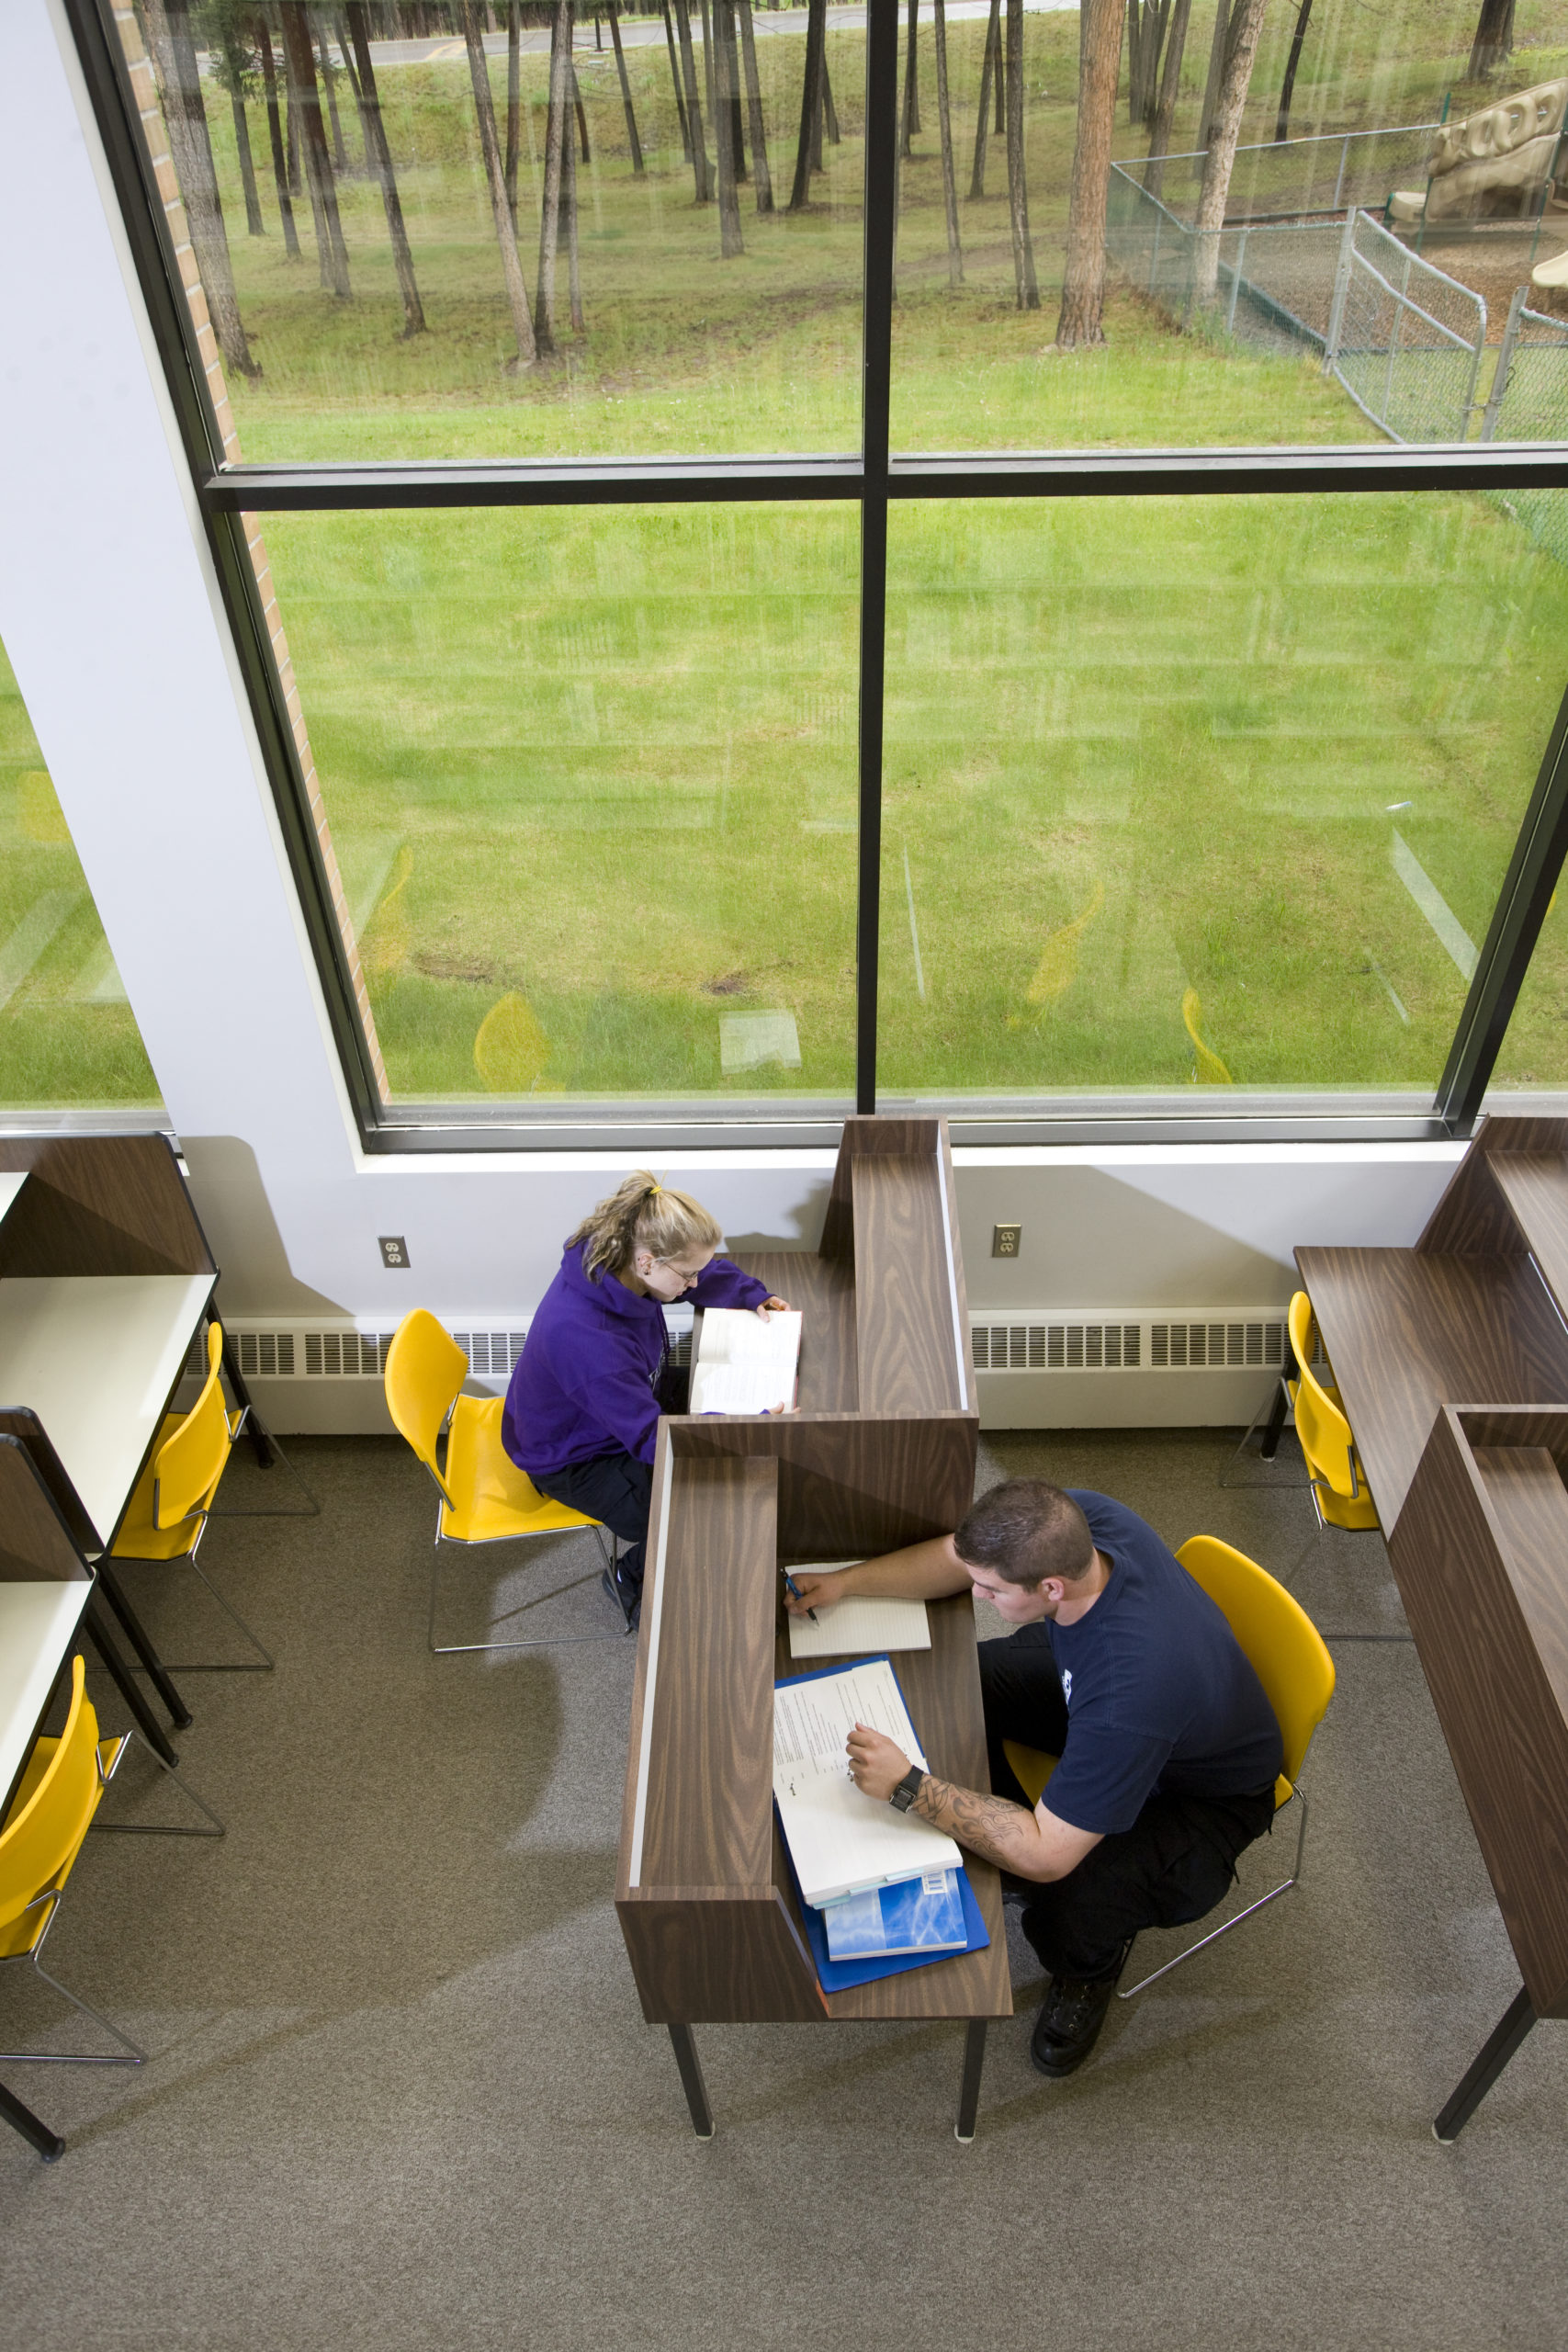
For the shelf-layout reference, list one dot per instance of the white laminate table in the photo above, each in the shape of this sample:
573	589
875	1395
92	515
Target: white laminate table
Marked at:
38	1625
97	1357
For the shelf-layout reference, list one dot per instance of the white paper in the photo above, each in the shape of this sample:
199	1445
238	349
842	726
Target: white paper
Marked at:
860	1623
839	1840
746	1361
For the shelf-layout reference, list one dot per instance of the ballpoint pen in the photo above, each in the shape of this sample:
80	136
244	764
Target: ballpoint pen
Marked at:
796	1590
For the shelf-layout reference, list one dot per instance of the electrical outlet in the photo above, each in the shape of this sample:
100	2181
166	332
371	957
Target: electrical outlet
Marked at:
1006	1240
394	1250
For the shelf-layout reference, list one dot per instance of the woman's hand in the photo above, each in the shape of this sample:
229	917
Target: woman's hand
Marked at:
774	1307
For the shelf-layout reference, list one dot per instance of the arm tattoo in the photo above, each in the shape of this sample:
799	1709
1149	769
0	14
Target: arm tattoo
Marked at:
992	1827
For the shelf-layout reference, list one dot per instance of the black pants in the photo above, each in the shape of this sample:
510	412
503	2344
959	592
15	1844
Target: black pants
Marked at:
1172	1866
615	1488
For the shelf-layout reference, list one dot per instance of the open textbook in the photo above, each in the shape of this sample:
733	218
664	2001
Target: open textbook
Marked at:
745	1363
840	1840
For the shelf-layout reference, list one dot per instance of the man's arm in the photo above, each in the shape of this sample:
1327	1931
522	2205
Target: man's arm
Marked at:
1032	1844
920	1572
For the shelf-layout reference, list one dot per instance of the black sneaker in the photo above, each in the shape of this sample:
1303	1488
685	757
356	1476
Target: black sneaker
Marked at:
1069	2021
629	1603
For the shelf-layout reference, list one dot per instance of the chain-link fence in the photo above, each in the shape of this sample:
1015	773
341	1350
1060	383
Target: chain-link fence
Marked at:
1529	402
1290	179
1403	337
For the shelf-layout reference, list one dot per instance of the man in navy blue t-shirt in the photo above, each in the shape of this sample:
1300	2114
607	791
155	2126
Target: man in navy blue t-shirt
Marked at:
1124	1668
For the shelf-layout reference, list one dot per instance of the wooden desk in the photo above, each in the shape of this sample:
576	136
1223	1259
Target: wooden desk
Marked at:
881	1454
1473	1504
37	1626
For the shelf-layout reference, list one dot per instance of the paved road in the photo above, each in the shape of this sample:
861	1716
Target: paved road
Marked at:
647	32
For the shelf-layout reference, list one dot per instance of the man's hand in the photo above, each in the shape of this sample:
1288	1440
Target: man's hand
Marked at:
815	1591
774	1307
876	1765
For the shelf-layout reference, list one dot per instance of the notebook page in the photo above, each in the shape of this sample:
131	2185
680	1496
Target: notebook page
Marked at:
860	1623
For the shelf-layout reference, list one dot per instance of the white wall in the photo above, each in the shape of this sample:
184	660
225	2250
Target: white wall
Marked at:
109	612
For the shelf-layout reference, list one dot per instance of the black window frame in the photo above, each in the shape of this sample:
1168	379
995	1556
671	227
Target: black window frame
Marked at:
873	478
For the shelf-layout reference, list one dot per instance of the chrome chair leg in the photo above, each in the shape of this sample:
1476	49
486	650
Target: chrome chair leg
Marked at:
265	1664
1215	1934
535	1642
158	1828
1277	1396
71	2057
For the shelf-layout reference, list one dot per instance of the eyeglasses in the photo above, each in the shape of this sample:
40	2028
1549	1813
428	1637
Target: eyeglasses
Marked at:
688	1274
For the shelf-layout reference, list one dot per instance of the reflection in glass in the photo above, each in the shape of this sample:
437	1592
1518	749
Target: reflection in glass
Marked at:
596	239
590	779
67	1035
1204	793
1350	273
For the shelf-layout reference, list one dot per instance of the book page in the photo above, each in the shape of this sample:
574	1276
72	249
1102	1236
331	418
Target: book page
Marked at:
839	1840
745	1363
741	1388
860	1623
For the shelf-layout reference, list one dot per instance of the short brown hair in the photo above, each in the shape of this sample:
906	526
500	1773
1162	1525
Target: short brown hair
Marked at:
1025	1531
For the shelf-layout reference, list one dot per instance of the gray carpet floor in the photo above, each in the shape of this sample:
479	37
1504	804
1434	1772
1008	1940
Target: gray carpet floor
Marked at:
400	2093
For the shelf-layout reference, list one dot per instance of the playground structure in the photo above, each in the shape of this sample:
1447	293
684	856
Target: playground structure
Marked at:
1499	163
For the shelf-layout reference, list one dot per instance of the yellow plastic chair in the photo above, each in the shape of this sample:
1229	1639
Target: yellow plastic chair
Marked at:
168	1515
1031	1768
1338	1487
485	1498
39	1840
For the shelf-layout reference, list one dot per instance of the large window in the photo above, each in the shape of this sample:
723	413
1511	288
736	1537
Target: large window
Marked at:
1011	557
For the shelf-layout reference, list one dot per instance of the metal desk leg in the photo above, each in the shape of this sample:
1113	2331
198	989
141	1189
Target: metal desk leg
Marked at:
692	2081
969	2088
49	2145
261	1442
1485	2069
1275	1424
147	1724
137	1636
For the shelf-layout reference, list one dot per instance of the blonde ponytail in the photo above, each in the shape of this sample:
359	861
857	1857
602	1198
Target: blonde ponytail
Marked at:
642	1214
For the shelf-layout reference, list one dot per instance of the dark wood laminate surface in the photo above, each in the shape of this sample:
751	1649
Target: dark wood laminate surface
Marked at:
100	1205
710	1766
1534	1186
942	1689
824	1289
34	1545
863	1137
1472	1217
1480	1542
1407	1333
904	1320
849	1487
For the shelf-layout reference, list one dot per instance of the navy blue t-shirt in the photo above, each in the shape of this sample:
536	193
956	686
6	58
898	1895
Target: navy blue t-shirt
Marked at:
1160	1695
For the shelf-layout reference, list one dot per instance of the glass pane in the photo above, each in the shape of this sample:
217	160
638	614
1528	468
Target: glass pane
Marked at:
403	260
67	1035
1351	275
1210	794
590	784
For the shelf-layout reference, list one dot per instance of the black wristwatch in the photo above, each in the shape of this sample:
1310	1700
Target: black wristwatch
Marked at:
907	1790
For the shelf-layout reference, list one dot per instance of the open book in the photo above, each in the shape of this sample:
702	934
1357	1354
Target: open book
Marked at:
745	1363
839	1840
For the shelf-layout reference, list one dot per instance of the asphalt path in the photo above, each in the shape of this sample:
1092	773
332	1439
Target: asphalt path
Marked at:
647	32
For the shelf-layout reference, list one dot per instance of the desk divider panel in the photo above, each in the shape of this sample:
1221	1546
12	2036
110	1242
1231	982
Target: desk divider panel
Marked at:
100	1205
1473	1217
35	1545
1481	1556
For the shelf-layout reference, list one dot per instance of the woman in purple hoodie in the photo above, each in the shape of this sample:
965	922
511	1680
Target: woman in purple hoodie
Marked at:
582	1409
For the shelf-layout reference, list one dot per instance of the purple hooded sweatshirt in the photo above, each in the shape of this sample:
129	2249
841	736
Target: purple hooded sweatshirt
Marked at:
584	1382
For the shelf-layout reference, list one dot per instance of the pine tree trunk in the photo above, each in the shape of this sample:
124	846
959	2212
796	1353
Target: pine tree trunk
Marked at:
730	238
944	124
1216	70
1025	281
496	176
330	245
1288	87
1083	281
581	113
1169	88
346	51
909	117
830	111
675	78
296	180
639	167
990	67
558	134
296	161
514	103
254	224
810	103
728	43
185	118
708	83
569	203
1494	42
1145	38
1241	52
340	161
380	155
275	134
701	170
760	177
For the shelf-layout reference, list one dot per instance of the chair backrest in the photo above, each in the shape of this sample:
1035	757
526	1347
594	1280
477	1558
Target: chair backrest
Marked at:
1284	1647
1322	1428
44	1831
425	1370
190	1460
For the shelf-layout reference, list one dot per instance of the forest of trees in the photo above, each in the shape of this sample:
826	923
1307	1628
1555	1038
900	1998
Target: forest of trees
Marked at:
283	66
